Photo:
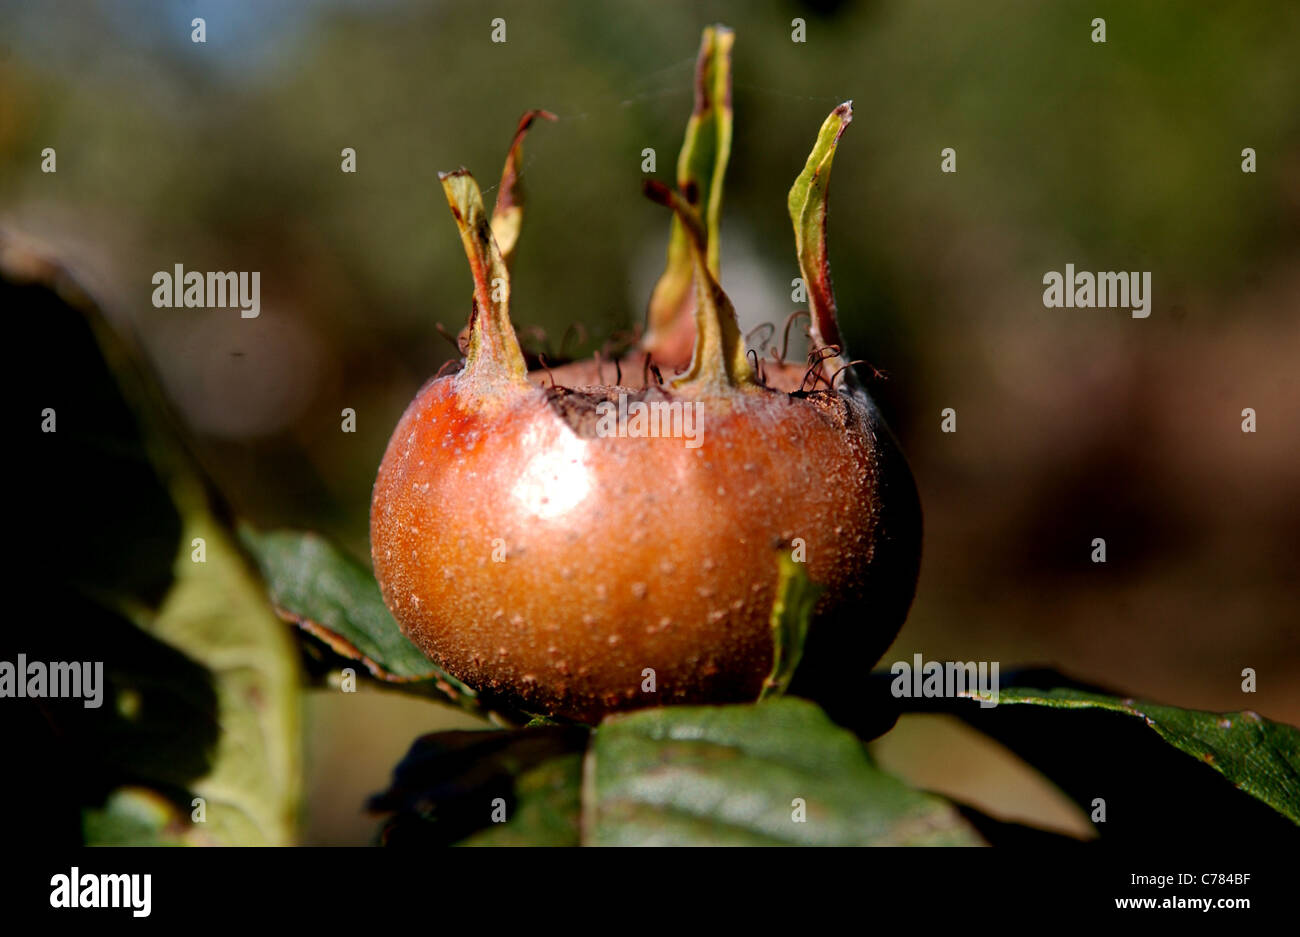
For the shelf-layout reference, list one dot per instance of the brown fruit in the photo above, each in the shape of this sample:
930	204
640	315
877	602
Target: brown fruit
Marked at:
529	542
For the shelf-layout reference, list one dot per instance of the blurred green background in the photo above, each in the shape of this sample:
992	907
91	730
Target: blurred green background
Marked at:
1072	423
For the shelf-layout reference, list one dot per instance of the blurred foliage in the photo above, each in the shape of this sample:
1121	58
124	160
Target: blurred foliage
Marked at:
137	570
225	155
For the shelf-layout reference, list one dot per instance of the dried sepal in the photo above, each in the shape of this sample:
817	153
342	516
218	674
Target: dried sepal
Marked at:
719	360
807	203
792	613
701	166
493	359
508	212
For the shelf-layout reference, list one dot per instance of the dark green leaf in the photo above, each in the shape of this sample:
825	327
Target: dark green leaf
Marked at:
1259	756
451	785
1164	773
329	594
546	811
735	774
336	600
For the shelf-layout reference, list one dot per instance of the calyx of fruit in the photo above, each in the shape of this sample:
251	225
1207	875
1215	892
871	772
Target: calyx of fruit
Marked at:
576	571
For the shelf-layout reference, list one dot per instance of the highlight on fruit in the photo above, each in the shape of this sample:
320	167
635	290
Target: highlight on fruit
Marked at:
578	547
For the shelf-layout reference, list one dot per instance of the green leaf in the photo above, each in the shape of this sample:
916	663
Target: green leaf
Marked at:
807	203
331	596
1165	773
796	595
335	599
1260	757
457	786
202	680
733	775
217	614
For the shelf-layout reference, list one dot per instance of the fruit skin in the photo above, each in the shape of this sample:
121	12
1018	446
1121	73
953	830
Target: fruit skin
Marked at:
624	554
